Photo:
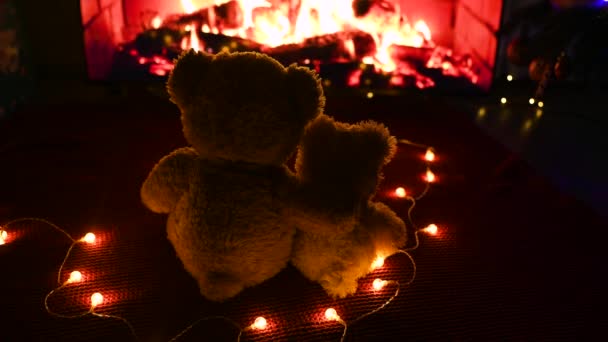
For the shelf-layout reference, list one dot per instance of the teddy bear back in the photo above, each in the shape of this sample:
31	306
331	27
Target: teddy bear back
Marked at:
243	106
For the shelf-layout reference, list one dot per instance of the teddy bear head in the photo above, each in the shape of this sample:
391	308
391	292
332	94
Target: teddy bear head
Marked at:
243	106
345	160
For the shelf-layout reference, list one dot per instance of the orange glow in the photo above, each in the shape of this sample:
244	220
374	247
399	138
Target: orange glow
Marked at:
259	323
429	155
3	236
96	299
331	314
431	229
430	176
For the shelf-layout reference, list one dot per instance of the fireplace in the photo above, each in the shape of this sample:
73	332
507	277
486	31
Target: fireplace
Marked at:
369	44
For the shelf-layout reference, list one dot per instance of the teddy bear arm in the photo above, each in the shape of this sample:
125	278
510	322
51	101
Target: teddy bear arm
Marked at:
311	217
386	228
169	180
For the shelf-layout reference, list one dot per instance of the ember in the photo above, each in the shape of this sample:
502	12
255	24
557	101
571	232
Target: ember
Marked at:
355	43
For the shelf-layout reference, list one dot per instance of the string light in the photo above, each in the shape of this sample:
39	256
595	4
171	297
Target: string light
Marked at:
430	176
509	78
332	315
531	100
89	238
431	229
400	192
259	323
3	236
429	155
96	299
370	95
503	100
378	284
541	104
75	277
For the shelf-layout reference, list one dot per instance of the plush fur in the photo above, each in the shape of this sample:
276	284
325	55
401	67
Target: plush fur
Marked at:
229	197
339	165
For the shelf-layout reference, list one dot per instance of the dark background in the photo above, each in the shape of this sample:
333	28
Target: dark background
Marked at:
522	213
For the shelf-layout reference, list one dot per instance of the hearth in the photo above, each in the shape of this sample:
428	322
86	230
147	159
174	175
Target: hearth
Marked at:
375	44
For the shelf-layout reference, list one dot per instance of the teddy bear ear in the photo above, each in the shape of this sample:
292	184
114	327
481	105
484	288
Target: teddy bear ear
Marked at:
379	144
305	92
187	77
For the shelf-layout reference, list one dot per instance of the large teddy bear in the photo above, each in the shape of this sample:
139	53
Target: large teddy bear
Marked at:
233	204
339	168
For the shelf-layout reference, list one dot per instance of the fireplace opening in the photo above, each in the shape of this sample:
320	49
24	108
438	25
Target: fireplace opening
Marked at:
380	44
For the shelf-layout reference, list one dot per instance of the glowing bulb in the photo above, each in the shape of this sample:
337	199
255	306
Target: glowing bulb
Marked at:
539	113
75	277
400	192
332	315
430	155
3	236
531	100
259	323
509	78
541	104
378	284
431	229
89	238
370	95
430	176
503	100
96	299
378	262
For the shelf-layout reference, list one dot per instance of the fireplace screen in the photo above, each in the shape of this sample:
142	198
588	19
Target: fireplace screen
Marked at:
446	44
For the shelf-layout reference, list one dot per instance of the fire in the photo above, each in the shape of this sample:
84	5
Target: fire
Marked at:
392	35
194	42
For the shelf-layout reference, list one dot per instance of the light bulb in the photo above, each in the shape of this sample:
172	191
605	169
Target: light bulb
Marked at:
378	284
509	78
531	100
430	176
75	277
541	104
503	100
259	323
431	229
400	192
331	314
377	263
370	95
3	236
430	155
89	238
96	299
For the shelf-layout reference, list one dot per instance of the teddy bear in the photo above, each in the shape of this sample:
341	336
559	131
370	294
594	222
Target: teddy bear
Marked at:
338	167
230	198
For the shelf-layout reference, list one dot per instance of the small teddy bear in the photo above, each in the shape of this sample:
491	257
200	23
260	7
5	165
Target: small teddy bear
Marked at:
339	168
230	197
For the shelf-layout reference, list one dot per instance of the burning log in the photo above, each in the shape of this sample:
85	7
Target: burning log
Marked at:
351	45
225	16
414	55
220	42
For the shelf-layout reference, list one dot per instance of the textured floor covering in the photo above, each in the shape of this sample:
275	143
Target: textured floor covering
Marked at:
516	259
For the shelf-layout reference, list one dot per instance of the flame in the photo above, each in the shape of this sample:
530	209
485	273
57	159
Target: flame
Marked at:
157	22
273	23
194	43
